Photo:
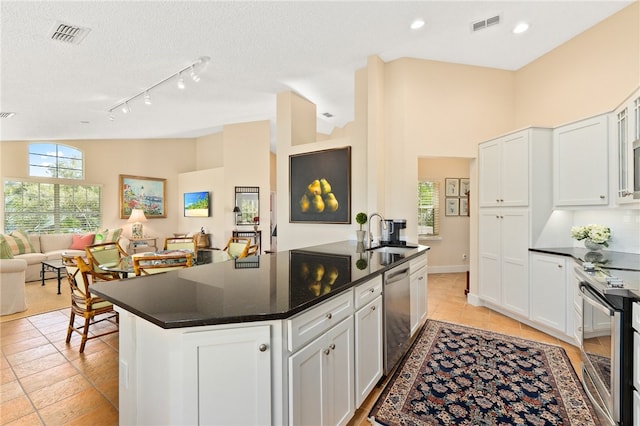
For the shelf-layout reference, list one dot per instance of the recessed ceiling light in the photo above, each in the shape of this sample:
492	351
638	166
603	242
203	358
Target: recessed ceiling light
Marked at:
520	28
417	24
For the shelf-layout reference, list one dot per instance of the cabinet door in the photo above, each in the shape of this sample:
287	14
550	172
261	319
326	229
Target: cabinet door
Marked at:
580	163
418	296
548	291
489	255
248	351
489	159
321	388
514	182
368	348
625	132
514	240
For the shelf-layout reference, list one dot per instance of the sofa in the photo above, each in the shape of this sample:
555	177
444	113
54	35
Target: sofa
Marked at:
51	247
12	296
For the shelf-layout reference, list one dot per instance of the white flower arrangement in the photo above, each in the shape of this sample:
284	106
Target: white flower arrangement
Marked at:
599	234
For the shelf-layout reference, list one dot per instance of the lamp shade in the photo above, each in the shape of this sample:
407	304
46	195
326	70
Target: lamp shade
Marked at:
137	216
236	209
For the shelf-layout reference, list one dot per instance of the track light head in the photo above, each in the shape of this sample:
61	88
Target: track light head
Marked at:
147	98
125	108
194	76
181	85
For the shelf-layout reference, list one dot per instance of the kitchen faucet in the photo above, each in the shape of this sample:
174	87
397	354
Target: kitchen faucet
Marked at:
382	221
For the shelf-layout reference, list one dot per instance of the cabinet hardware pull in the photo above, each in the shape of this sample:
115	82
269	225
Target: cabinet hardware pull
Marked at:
326	351
332	346
329	315
602	197
497	217
559	266
501	200
371	290
373	308
262	347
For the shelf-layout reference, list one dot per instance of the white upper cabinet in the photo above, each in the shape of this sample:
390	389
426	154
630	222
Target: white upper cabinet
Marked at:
580	163
504	171
625	133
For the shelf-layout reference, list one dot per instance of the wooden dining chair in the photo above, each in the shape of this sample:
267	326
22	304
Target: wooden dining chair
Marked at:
86	305
154	264
181	243
237	247
104	254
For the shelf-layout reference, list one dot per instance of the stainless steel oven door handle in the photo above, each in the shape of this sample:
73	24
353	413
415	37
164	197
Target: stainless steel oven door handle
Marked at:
595	300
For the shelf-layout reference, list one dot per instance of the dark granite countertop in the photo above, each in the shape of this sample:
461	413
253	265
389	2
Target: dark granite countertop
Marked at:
605	259
256	288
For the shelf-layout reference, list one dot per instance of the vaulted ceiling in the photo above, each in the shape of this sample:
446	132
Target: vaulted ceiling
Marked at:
66	90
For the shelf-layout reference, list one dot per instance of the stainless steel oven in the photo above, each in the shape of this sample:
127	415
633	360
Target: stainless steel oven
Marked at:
600	348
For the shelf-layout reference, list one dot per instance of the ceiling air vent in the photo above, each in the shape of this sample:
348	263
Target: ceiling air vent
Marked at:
485	23
7	114
67	33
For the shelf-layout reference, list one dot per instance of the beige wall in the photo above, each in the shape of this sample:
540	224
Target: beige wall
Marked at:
590	74
447	251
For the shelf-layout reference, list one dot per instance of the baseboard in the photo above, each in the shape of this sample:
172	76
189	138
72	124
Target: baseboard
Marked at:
474	300
447	269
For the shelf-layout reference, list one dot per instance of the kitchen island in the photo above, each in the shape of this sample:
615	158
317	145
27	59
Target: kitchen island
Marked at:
262	340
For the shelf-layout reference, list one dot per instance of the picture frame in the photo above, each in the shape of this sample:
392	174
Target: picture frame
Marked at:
452	207
452	187
247	199
464	207
464	187
320	186
197	204
146	193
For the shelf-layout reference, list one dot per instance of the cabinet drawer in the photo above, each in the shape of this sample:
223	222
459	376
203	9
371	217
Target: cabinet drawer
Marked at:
635	319
366	292
636	405
311	323
417	263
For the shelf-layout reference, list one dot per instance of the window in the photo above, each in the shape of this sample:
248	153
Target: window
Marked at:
428	208
46	208
55	161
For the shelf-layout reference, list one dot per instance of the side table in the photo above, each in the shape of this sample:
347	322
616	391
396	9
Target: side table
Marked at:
142	244
53	266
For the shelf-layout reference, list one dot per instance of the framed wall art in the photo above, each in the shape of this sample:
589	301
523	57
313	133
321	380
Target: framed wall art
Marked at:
148	194
464	186
320	186
452	207
452	187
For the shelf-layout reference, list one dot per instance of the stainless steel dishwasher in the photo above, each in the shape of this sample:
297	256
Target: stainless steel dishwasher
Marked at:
397	315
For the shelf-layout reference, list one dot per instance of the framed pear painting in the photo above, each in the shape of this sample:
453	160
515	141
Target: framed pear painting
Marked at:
320	186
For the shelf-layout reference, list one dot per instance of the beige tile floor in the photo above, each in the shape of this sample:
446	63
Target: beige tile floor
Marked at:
44	381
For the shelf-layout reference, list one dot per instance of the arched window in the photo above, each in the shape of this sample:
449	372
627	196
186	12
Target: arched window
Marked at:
52	160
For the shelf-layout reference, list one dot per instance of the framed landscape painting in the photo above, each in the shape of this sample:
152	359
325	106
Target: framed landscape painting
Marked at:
320	186
148	194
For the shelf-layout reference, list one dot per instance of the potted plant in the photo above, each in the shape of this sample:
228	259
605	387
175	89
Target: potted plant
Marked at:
361	218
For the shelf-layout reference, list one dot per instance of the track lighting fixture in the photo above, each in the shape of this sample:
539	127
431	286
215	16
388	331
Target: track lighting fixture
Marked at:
194	68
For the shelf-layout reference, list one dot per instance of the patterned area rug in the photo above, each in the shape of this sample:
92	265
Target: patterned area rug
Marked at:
465	376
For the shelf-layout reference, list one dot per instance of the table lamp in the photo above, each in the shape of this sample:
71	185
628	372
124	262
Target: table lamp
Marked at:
236	210
136	218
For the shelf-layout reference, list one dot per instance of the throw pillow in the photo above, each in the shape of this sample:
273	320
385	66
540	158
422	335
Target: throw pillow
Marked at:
79	242
5	250
19	242
107	236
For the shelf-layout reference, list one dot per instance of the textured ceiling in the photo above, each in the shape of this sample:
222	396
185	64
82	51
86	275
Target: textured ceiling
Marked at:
257	49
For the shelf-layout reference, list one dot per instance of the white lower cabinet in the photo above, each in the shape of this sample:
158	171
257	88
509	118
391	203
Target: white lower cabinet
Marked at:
549	291
418	296
368	348
321	388
248	351
504	258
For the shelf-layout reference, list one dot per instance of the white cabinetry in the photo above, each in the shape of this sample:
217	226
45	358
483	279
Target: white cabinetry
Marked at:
549	291
580	163
321	372
418	292
504	258
210	353
368	338
321	390
636	361
625	132
504	171
515	199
